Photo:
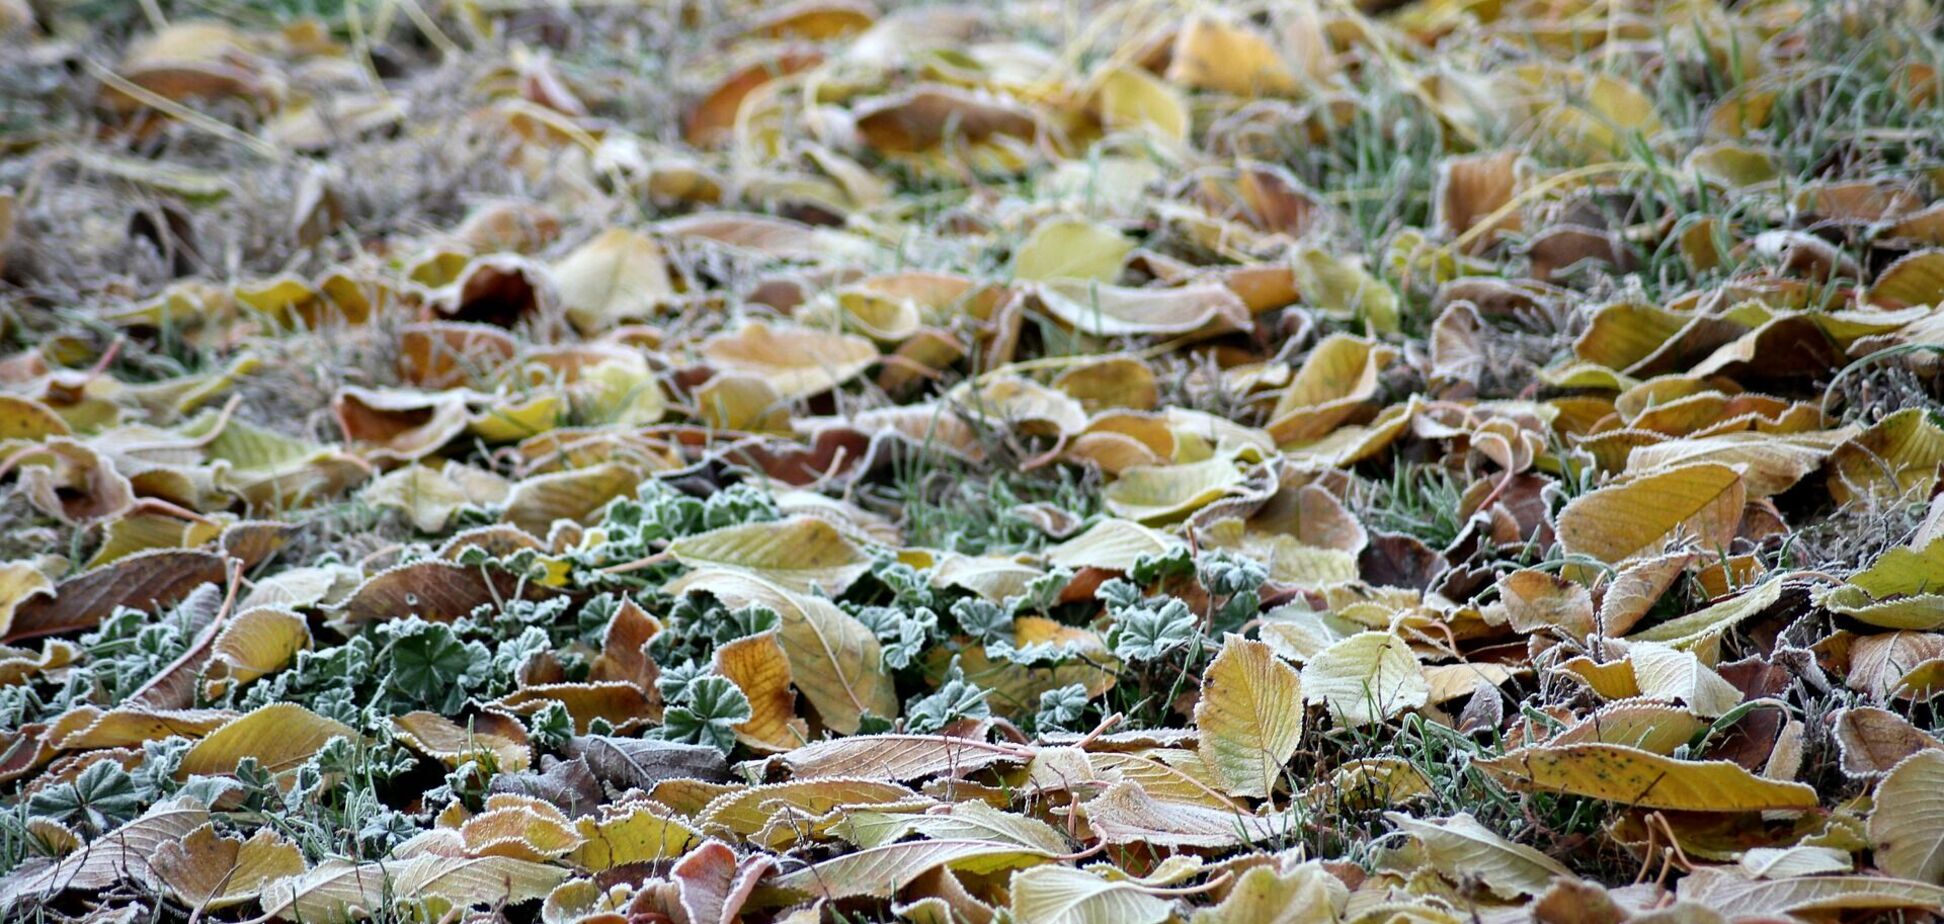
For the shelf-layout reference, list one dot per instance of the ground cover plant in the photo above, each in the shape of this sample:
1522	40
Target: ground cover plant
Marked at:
1081	461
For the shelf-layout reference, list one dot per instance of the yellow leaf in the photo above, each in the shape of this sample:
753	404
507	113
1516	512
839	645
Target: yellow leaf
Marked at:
1288	559
774	816
1462	849
1343	289
1810	896
207	870
618	276
1110	382
1903	589
1021	404
139	531
760	668
620	389
1701	503
1213	53
1366	678
1148	494
426	498
1071	248
124	857
1110	544
796	554
433	885
536	502
1101	310
27	419
1131	812
882	872
1700	631
1536	600
1915	279
443	739
896	757
1593	114
19	582
1633	777
797	362
834	659
1662	672
1129	98
1307	894
733	401
1732	165
1790	862
882	316
630	834
968	820
89	727
516	826
1897	457
1336	382
622	705
510	418
1064	895
1907	827
1250	716
279	737
1770	463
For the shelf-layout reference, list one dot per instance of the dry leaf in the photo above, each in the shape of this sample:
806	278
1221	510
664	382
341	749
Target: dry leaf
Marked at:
1250	716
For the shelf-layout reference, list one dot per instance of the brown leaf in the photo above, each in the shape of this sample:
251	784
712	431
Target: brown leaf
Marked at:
1874	740
145	581
436	591
711	884
569	785
640	763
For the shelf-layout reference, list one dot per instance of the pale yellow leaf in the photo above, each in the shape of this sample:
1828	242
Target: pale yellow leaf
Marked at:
1462	849
1250	716
1366	678
797	362
1151	494
618	276
796	554
1662	672
1907	827
1064	895
1071	248
882	872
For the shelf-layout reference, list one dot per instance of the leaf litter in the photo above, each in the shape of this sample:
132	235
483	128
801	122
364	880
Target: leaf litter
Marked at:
1115	461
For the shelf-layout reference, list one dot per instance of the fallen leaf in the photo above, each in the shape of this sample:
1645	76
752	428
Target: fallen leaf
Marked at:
1366	678
1250	716
278	737
1630	776
1064	895
1462	849
1644	516
797	554
882	872
1906	829
834	659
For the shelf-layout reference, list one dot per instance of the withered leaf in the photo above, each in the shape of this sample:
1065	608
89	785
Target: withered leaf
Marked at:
640	763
